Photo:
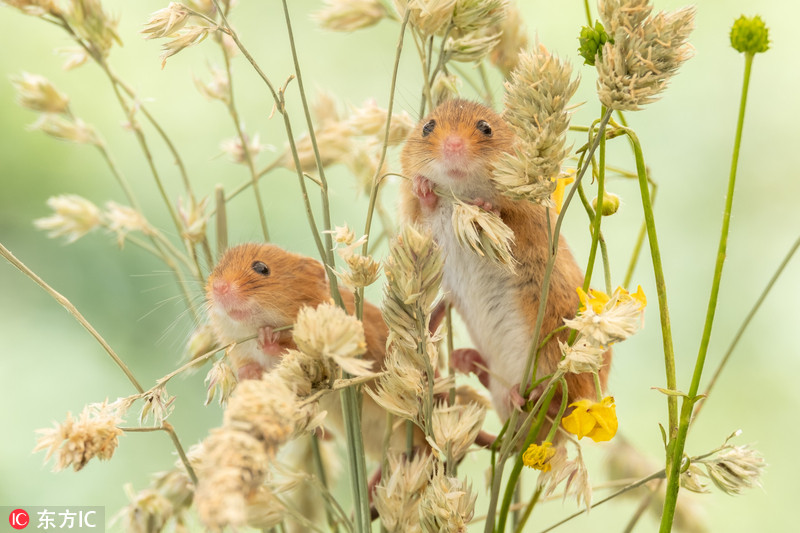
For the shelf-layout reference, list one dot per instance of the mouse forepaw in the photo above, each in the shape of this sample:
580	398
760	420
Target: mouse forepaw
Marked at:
250	371
423	189
268	341
486	206
469	360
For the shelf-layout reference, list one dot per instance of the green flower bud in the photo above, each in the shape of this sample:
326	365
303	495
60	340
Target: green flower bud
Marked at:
750	35
591	42
610	204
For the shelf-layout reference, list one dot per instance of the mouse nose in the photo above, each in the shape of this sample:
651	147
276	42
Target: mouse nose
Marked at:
221	287
453	145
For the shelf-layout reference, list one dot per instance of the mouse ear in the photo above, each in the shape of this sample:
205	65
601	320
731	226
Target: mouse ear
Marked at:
314	268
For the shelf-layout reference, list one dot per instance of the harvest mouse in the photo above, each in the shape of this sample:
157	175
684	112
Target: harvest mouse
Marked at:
257	288
453	151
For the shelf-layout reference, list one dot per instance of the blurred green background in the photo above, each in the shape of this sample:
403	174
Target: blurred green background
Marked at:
50	365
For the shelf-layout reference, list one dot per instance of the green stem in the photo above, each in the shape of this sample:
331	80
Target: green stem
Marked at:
744	325
513	477
248	158
326	209
598	212
661	286
222	220
71	309
376	181
588	12
319	468
529	509
634	485
687	406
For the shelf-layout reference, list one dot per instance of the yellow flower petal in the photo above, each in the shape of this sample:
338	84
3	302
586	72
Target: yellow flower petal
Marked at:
538	456
640	297
558	194
598	421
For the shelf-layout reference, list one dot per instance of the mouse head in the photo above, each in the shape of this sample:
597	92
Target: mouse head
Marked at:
255	285
455	146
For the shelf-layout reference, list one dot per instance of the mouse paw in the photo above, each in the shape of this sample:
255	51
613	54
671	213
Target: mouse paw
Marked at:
486	206
268	341
466	360
250	371
423	189
515	398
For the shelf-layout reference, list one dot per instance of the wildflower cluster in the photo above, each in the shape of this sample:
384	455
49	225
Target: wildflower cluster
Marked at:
642	53
362	270
93	434
75	216
484	233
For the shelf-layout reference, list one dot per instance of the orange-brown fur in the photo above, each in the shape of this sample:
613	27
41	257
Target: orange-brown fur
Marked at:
528	222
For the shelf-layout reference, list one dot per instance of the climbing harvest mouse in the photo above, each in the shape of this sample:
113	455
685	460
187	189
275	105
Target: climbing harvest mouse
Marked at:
452	151
257	288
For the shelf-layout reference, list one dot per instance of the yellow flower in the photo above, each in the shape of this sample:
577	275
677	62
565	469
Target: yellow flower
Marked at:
598	421
538	457
595	299
558	194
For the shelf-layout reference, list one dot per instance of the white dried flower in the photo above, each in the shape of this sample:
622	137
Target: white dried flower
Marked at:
695	479
484	233
414	269
349	15
218	88
74	57
73	217
362	271
264	510
194	220
333	141
302	372
36	93
735	468
265	408
67	129
604	319
581	357
221	377
428	16
158	403
445	87
447	505
513	40
647	51
573	471
471	47
328	332
123	220
89	22
325	109
343	235
236	150
148	511
93	434
188	37
234	467
397	495
536	108
35	8
399	390
473	15
455	428
370	119
167	21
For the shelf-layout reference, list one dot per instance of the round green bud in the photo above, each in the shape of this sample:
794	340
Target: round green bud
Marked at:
591	42
610	204
750	35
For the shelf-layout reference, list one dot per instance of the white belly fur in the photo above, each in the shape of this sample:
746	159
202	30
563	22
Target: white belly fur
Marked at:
483	293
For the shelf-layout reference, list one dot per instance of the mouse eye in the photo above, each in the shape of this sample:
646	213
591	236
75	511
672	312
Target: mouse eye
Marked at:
427	129
484	128
260	268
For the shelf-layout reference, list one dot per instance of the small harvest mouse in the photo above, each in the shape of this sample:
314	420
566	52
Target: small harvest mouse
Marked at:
257	288
453	150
